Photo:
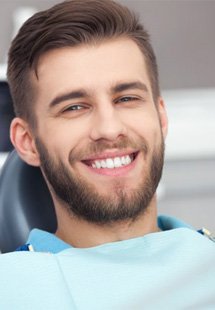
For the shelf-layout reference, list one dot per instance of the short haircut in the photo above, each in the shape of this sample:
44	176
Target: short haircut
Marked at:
71	23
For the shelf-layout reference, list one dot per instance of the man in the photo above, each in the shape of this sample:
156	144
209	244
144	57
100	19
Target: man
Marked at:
84	81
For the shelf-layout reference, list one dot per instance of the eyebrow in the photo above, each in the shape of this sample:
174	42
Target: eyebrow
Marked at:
81	93
76	94
126	86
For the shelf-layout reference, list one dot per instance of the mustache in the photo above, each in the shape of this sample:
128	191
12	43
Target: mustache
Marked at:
95	148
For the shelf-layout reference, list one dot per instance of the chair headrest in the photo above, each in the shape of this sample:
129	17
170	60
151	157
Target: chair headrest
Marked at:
25	203
6	116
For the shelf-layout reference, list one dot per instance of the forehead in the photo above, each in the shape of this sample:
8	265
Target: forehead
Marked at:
93	67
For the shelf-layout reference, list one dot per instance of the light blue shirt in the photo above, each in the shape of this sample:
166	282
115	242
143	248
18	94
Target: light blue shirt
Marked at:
172	269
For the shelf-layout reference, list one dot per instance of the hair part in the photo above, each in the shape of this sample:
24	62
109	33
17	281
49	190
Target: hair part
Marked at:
70	23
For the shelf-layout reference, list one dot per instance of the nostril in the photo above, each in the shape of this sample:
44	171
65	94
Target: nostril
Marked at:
107	128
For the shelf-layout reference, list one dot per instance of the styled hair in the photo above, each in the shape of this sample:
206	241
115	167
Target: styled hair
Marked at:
71	23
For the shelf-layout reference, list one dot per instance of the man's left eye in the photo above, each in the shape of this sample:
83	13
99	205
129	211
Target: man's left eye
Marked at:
126	99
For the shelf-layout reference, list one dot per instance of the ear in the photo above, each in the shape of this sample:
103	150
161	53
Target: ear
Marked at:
163	116
24	142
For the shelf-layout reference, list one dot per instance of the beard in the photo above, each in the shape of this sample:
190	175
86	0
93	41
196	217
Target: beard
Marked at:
81	199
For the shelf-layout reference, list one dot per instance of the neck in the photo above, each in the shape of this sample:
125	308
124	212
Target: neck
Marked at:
83	234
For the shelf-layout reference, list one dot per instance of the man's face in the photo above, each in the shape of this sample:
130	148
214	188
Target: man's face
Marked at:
99	133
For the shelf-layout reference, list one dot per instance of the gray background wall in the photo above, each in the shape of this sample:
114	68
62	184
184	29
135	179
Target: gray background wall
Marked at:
182	32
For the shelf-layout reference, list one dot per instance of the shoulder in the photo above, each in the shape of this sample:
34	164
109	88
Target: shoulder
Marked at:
175	229
27	267
20	263
31	280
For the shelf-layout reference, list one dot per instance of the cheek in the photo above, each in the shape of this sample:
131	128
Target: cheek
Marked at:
151	132
144	124
62	137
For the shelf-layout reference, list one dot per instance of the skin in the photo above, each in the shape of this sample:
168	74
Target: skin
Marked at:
103	114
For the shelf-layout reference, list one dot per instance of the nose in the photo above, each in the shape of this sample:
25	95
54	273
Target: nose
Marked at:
107	124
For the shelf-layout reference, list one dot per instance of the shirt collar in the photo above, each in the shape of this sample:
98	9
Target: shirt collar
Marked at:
43	241
169	222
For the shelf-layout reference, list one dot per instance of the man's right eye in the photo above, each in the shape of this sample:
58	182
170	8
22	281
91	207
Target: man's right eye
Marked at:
75	107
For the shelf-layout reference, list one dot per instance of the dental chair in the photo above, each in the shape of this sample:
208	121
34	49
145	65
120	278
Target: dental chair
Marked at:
6	116
25	203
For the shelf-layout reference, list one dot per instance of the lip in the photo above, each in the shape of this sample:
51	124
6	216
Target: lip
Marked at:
120	171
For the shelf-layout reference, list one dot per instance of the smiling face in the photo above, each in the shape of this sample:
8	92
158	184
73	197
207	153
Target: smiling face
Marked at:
99	133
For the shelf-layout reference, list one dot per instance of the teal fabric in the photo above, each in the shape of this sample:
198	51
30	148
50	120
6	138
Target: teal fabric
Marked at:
43	241
172	269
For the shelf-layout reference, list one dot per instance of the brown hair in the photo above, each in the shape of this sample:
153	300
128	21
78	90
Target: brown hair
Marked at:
71	23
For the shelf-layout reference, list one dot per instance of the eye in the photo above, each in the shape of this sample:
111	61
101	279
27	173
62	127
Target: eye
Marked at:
126	99
75	107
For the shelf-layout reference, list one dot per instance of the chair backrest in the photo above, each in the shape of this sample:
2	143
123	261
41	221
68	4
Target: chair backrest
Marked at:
25	203
6	115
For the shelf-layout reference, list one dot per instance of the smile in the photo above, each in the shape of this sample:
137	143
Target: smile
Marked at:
111	162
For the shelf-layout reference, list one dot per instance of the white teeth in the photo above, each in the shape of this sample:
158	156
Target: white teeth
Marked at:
103	163
98	164
128	160
123	160
112	163
109	163
117	162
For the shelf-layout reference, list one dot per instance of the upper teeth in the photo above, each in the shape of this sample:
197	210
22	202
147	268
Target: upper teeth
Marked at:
112	163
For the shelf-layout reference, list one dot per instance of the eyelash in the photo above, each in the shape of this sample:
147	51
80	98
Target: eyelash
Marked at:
75	107
127	99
